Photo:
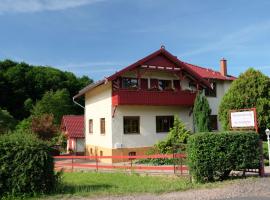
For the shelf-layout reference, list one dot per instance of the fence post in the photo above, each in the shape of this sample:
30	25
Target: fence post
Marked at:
96	163
72	164
261	168
181	164
174	170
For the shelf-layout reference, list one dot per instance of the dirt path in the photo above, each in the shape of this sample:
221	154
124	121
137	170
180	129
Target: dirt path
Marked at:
258	188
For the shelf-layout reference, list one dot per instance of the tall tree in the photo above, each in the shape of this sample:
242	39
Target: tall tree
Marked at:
201	113
251	89
55	103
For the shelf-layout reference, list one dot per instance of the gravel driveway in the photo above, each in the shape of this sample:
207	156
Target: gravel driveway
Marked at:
247	189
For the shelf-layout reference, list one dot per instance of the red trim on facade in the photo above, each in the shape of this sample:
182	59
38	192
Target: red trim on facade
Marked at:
154	98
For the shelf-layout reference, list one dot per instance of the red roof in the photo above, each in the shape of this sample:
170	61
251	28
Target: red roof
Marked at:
199	73
209	73
73	125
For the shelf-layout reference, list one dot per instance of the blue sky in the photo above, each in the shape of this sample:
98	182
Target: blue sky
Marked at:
98	37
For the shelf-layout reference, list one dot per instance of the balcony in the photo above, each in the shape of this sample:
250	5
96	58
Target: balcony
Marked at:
153	98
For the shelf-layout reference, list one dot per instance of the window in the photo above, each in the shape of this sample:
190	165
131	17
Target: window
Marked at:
131	125
164	84
192	86
91	151
102	125
213	123
164	123
101	153
132	153
90	126
211	92
130	83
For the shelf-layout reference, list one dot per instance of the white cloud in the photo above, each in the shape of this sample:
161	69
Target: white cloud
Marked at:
22	6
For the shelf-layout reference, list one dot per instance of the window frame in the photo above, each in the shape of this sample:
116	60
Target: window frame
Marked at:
91	126
211	92
132	118
169	87
102	122
158	118
130	79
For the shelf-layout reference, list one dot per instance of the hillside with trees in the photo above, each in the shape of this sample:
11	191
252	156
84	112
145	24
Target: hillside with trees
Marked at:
27	90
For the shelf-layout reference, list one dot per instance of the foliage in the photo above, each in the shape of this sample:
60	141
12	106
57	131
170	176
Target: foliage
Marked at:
175	142
250	90
177	136
43	126
54	103
60	140
26	166
24	125
7	122
201	113
21	84
212	156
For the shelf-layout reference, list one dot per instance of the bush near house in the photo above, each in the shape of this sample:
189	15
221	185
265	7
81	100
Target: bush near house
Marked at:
26	166
174	142
212	156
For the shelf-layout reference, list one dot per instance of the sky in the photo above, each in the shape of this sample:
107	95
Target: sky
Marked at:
98	37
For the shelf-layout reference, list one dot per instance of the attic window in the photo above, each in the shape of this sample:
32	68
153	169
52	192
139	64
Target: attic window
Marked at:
130	83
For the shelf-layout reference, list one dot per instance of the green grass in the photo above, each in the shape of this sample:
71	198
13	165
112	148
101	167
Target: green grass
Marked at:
91	184
119	183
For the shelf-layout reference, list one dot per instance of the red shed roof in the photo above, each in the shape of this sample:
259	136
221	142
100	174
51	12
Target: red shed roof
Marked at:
73	125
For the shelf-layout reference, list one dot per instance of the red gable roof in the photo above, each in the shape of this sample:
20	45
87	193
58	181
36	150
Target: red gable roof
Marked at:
170	59
73	125
209	73
165	59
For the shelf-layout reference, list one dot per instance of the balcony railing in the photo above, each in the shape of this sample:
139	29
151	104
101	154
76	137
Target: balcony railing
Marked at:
154	98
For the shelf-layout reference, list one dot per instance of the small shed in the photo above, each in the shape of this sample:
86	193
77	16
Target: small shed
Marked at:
73	127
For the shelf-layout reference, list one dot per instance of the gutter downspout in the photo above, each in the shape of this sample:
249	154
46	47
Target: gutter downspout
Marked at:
73	99
77	103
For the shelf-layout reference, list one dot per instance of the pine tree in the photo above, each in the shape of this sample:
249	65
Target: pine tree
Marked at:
201	113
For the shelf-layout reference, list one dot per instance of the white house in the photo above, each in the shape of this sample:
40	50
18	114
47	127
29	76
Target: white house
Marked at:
128	112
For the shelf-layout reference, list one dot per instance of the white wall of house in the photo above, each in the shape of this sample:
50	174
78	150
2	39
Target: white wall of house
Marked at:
98	104
148	136
214	102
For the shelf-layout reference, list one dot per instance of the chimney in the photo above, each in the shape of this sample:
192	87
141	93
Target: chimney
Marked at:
223	67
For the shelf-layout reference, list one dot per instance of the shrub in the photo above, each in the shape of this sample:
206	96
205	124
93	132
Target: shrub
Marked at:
177	136
212	156
26	166
174	142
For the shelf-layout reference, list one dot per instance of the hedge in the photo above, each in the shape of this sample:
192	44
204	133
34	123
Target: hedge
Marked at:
26	166
212	156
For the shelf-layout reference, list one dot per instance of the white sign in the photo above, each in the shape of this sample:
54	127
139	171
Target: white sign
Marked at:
242	119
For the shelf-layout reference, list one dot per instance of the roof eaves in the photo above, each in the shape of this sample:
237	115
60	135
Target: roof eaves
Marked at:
89	87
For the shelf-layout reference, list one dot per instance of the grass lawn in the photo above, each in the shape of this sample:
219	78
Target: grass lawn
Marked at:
89	184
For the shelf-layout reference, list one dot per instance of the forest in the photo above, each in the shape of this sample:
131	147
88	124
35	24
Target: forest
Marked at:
28	92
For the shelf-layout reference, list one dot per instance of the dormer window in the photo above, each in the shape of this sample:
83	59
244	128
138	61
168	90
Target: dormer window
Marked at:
130	83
